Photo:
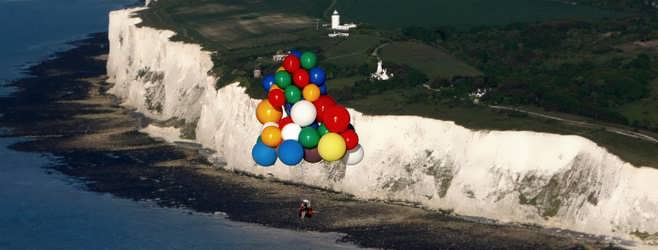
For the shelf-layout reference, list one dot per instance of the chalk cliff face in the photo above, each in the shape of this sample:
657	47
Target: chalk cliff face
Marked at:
511	176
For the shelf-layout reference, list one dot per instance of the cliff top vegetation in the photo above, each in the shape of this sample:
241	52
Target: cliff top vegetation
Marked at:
569	60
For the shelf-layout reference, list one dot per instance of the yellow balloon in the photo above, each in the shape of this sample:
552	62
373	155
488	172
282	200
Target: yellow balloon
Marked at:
271	136
311	92
280	69
332	147
265	112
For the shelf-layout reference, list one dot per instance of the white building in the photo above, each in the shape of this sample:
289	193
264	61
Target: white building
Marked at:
338	34
477	95
278	57
335	23
381	73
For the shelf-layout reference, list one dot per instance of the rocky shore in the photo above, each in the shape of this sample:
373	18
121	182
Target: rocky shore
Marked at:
63	106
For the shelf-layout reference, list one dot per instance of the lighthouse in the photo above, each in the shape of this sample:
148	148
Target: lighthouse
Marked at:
335	20
381	74
339	30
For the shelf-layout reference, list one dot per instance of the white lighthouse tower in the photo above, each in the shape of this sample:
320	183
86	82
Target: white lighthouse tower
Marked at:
335	23
381	73
335	20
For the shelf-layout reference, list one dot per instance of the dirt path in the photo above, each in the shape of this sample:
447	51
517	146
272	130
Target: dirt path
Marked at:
375	52
329	10
624	132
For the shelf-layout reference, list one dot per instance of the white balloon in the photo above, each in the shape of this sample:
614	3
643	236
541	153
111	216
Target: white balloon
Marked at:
354	156
268	124
303	113
291	132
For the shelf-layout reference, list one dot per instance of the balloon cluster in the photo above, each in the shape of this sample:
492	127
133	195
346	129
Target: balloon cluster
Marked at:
314	128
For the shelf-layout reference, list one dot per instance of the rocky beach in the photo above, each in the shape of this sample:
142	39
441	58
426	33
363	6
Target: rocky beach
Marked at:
64	108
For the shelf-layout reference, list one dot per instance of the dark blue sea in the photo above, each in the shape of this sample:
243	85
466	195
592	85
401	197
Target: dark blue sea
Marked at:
43	209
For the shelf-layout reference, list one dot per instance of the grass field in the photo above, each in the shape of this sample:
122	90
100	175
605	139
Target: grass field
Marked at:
353	51
231	24
434	62
246	33
463	13
644	111
637	152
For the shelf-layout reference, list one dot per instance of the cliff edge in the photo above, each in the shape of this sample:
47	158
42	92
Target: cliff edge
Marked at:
511	176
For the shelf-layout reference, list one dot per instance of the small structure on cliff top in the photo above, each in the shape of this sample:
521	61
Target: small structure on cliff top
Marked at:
335	23
258	73
381	74
339	34
278	57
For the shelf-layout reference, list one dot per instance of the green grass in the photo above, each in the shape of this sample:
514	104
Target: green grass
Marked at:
461	14
637	152
345	82
353	51
237	31
432	61
230	24
643	112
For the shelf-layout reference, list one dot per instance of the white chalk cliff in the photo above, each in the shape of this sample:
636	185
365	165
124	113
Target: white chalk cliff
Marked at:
511	176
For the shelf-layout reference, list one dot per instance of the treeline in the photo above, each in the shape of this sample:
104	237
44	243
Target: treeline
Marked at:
643	5
590	69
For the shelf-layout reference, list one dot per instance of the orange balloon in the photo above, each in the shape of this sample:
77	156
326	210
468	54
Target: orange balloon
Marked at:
311	92
274	86
280	69
271	136
265	112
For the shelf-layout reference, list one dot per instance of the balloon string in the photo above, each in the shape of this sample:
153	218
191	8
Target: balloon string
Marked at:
302	183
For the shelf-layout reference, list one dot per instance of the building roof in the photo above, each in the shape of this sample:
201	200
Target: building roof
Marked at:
335	12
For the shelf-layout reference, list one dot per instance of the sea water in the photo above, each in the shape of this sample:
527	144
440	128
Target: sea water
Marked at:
42	209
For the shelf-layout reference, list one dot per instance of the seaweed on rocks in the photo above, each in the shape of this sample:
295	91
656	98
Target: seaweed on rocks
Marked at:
63	106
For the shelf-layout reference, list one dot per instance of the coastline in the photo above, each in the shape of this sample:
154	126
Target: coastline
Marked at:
510	176
64	108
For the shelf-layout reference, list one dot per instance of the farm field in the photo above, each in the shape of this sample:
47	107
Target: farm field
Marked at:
464	13
434	62
229	24
245	34
353	51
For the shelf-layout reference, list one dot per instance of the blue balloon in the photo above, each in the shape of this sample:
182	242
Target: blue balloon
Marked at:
297	53
288	107
267	82
317	76
263	155
291	152
351	127
314	125
323	89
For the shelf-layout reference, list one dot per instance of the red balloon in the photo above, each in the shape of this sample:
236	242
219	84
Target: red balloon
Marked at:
285	121
277	98
301	78
291	63
336	119
351	138
322	104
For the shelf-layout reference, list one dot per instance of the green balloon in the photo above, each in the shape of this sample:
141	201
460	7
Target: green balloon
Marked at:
322	130
282	79
308	60
309	137
293	94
